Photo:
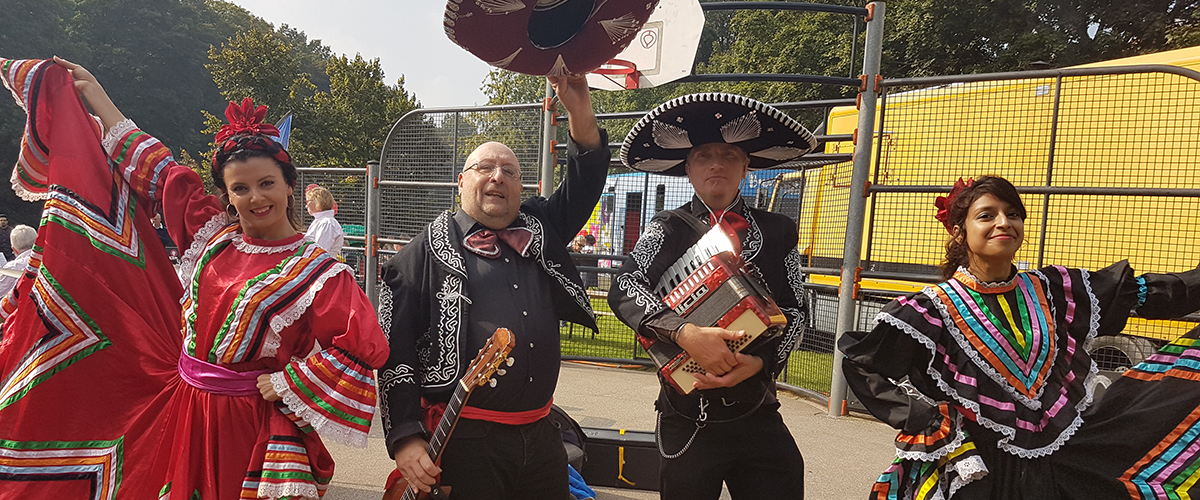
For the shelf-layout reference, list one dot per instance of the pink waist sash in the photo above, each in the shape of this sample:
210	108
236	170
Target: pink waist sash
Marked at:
218	379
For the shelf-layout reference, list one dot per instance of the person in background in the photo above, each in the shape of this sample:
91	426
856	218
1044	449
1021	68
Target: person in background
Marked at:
21	238
325	230
163	235
5	246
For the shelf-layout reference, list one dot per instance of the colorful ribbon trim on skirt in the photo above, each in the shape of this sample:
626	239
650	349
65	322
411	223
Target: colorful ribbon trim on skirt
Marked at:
218	379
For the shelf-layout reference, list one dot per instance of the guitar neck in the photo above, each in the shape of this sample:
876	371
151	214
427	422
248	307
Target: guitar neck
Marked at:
437	442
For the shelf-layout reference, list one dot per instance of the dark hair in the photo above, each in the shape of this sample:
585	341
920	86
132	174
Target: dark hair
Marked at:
957	252
256	146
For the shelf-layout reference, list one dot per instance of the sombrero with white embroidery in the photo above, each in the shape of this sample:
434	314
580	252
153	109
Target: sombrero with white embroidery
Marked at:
545	37
660	141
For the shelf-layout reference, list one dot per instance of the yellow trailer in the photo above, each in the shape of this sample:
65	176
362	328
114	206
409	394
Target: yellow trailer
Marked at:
1122	135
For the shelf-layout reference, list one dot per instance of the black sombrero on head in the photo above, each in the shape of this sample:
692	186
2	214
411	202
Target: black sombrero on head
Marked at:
545	37
660	141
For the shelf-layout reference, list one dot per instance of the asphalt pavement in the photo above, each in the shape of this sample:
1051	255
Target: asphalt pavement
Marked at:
842	456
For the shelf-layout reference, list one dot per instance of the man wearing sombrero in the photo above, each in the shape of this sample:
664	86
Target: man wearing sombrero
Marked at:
729	431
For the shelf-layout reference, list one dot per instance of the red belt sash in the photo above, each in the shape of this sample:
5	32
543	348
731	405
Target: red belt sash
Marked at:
433	416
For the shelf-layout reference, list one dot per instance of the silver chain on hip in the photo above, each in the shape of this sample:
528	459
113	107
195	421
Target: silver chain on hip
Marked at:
700	423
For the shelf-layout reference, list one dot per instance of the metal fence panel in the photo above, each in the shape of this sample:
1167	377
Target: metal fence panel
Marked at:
349	191
428	148
1098	135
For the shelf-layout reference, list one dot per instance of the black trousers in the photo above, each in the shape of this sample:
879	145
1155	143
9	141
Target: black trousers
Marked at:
755	457
486	460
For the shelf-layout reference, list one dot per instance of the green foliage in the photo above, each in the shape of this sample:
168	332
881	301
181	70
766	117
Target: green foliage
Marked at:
358	110
921	38
342	126
506	87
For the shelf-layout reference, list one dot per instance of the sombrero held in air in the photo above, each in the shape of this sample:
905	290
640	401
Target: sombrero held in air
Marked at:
660	141
545	37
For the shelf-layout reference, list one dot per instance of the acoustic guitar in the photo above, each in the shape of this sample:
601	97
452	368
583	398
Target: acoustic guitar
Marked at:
486	364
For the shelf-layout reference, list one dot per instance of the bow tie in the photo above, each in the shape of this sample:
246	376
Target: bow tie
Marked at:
731	223
485	242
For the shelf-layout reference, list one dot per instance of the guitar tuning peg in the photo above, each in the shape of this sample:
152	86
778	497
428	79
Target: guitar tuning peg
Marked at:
510	361
501	372
492	383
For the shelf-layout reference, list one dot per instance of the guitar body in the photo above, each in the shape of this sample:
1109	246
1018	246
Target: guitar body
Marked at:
486	364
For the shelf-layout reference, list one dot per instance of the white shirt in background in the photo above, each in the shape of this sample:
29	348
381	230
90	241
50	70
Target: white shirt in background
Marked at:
8	282
326	232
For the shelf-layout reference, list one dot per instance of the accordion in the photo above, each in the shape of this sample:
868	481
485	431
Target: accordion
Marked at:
710	285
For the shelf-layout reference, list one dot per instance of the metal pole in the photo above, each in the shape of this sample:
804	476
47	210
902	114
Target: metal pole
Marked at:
546	180
1049	172
372	233
856	213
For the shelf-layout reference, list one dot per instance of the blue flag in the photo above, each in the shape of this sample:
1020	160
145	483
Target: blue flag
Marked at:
285	130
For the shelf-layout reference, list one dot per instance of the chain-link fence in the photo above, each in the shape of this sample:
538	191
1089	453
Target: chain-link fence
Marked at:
349	189
426	150
1103	157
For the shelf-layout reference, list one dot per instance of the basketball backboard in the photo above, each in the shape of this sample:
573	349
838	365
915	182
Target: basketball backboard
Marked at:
663	50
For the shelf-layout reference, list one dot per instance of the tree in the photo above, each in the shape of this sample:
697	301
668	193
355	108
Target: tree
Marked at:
358	110
502	86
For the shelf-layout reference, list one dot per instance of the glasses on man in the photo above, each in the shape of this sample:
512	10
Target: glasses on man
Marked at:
488	170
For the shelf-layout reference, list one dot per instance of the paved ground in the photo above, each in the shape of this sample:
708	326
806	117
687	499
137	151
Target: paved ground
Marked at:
842	456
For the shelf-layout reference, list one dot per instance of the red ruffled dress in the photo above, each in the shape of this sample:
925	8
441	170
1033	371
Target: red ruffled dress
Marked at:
250	307
163	383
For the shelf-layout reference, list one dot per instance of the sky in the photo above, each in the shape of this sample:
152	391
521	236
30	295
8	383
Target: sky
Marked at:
405	35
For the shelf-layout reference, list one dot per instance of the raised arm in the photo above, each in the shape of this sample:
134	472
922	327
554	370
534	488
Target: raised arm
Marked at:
571	204
147	165
90	90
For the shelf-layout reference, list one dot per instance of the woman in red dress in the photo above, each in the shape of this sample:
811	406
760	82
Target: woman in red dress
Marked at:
274	339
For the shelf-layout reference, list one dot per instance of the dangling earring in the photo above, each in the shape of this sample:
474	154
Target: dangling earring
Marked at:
230	210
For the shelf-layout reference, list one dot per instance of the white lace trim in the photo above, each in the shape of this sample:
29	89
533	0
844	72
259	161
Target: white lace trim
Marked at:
275	491
23	193
1080	347
988	284
966	470
288	316
331	429
249	248
115	134
935	455
187	262
1008	432
965	346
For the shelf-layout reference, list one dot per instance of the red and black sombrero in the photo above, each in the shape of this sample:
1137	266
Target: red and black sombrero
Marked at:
660	141
545	37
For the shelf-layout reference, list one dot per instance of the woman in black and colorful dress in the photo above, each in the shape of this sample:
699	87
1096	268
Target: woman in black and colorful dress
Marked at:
997	374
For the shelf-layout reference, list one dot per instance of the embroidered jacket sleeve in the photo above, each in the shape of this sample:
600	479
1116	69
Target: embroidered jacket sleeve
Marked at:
875	360
571	204
633	299
148	167
1153	296
408	320
333	390
787	290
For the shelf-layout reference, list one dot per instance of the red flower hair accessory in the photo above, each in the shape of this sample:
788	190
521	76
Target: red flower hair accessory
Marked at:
246	130
943	203
246	119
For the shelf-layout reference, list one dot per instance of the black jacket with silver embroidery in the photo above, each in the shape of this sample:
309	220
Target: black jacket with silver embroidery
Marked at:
769	244
424	305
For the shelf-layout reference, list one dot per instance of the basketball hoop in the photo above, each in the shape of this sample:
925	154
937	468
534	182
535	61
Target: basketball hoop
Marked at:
615	68
662	51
